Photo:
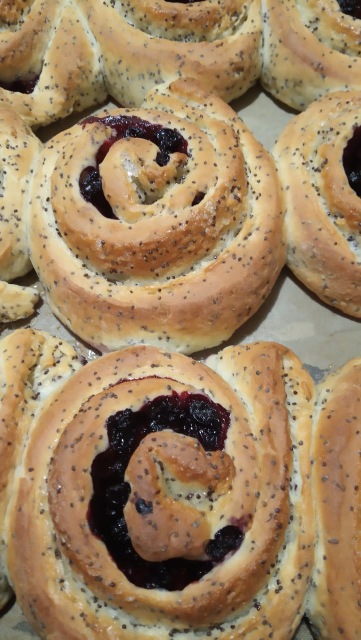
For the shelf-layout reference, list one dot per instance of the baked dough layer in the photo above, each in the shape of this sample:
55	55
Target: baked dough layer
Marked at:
322	210
309	48
33	365
60	56
333	604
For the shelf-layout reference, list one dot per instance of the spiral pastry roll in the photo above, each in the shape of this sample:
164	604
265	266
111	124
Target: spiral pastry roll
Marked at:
144	43
318	161
334	601
310	47
162	224
33	365
163	500
49	61
19	153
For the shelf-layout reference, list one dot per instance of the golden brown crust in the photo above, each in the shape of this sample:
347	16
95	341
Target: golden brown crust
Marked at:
334	600
269	396
16	302
20	150
309	48
322	211
68	55
173	270
49	40
19	154
33	364
143	43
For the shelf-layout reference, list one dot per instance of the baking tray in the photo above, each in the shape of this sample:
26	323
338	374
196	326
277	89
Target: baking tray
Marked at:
321	337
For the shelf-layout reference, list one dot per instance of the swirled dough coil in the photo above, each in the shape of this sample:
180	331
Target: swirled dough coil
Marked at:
318	166
19	150
334	604
60	56
143	43
182	241
33	365
49	60
258	399
310	47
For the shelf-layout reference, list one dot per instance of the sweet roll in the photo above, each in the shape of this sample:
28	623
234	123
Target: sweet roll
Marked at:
318	161
166	497
33	365
49	60
333	601
19	153
144	43
162	224
310	48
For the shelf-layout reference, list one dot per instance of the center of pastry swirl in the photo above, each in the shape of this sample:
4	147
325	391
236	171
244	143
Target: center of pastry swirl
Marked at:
155	486
174	484
166	142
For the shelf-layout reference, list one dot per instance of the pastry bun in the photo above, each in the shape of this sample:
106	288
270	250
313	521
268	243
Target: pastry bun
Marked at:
162	224
333	602
318	167
33	365
49	60
58	56
19	154
143	43
310	48
237	465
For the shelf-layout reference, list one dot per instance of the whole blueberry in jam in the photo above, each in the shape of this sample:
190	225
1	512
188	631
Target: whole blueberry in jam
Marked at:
193	415
124	126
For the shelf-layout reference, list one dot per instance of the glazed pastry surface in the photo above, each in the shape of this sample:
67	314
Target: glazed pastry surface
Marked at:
255	482
310	48
163	224
334	597
33	365
317	161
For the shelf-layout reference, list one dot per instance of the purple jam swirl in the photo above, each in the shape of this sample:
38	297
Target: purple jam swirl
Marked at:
167	140
21	85
194	415
352	161
350	7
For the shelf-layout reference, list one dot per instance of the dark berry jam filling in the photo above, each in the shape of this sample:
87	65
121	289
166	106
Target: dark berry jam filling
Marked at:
21	85
352	161
167	140
350	7
193	415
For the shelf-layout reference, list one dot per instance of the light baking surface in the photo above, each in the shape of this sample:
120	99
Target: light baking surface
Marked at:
322	338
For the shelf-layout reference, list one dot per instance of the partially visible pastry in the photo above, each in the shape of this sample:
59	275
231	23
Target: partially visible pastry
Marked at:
161	497
144	43
33	365
334	603
16	302
49	60
19	150
310	48
163	224
318	161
